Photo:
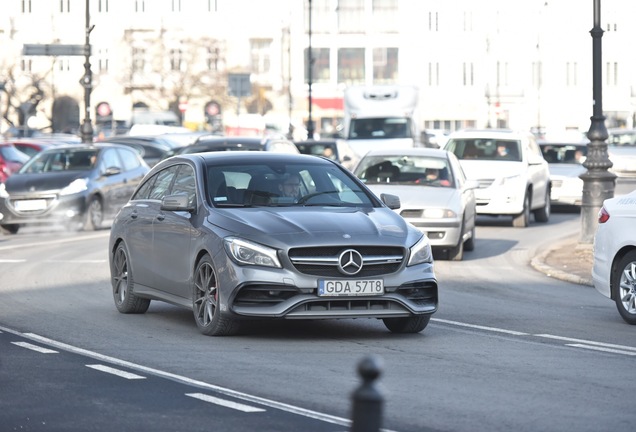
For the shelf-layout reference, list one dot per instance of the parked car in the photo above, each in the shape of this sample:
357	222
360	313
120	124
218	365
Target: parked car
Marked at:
436	198
211	142
336	149
614	267
152	148
565	163
79	186
30	146
215	233
11	159
621	149
513	176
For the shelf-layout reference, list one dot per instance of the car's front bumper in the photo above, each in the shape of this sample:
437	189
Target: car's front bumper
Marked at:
58	209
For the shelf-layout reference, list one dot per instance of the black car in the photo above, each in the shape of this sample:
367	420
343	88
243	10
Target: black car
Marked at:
152	148
77	186
217	143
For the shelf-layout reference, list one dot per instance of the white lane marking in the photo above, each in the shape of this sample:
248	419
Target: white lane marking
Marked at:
114	371
225	403
102	261
492	329
598	348
34	347
587	342
64	240
12	260
327	418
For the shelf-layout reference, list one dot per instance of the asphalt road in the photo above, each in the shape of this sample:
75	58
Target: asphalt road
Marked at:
509	349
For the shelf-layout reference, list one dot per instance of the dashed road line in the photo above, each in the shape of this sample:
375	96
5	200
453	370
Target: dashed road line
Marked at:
113	371
35	348
225	403
478	327
598	348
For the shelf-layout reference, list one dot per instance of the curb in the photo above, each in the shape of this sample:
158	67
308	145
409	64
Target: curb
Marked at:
539	264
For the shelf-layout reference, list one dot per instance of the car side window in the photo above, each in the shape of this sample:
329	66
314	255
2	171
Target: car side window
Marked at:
129	159
144	190
110	159
162	183
184	183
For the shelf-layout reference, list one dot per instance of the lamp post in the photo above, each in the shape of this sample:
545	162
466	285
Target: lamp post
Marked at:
87	83
598	182
310	66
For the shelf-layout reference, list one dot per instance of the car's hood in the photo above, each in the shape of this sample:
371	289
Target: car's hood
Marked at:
566	170
419	196
307	225
483	169
52	181
362	146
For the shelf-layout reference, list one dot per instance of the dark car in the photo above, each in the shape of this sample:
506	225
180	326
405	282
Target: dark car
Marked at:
217	143
218	233
77	186
337	150
152	148
11	159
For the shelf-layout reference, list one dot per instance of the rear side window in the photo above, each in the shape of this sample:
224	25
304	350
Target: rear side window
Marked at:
129	159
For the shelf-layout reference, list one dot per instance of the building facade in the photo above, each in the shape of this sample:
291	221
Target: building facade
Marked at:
523	65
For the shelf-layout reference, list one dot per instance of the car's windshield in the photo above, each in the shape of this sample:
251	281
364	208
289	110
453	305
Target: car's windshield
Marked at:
61	160
380	128
622	138
485	149
262	184
564	153
405	170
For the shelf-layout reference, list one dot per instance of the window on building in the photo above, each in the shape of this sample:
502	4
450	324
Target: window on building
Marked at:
176	5
385	16
26	6
537	74
322	16
502	74
103	60
260	50
351	16
611	73
102	6
140	5
468	21
63	64
65	6
321	71
385	65
212	60
138	59
176	59
433	21
468	73
351	66
26	65
212	6
571	74
433	74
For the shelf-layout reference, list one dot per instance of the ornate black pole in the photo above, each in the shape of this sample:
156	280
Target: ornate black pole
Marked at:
87	82
598	182
310	66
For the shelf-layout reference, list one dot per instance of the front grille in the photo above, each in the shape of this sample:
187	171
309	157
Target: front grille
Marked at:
23	206
323	261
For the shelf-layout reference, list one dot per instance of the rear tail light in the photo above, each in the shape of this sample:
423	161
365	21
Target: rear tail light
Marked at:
603	215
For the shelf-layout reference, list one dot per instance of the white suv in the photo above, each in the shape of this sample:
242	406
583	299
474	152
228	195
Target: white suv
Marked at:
513	176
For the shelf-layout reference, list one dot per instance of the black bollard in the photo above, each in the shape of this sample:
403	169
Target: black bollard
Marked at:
367	399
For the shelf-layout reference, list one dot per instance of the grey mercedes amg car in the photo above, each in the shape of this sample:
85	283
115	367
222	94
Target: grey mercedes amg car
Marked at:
253	235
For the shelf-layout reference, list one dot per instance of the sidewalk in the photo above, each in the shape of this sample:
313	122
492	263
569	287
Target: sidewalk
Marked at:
568	261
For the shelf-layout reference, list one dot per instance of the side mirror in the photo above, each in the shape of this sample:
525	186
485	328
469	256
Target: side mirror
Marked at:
176	203
111	171
391	201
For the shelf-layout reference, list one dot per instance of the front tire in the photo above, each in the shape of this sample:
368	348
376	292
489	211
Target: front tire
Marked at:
11	228
624	286
206	300
412	324
123	284
522	220
543	214
94	214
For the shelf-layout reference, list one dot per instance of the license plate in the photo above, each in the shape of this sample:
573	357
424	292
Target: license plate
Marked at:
345	287
26	205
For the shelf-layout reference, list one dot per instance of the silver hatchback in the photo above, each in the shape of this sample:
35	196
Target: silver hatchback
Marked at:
253	235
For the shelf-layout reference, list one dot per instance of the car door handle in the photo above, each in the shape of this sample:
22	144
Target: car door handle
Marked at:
134	214
161	216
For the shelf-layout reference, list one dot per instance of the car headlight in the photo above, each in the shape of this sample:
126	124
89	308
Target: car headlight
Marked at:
76	186
245	252
3	191
439	214
420	252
